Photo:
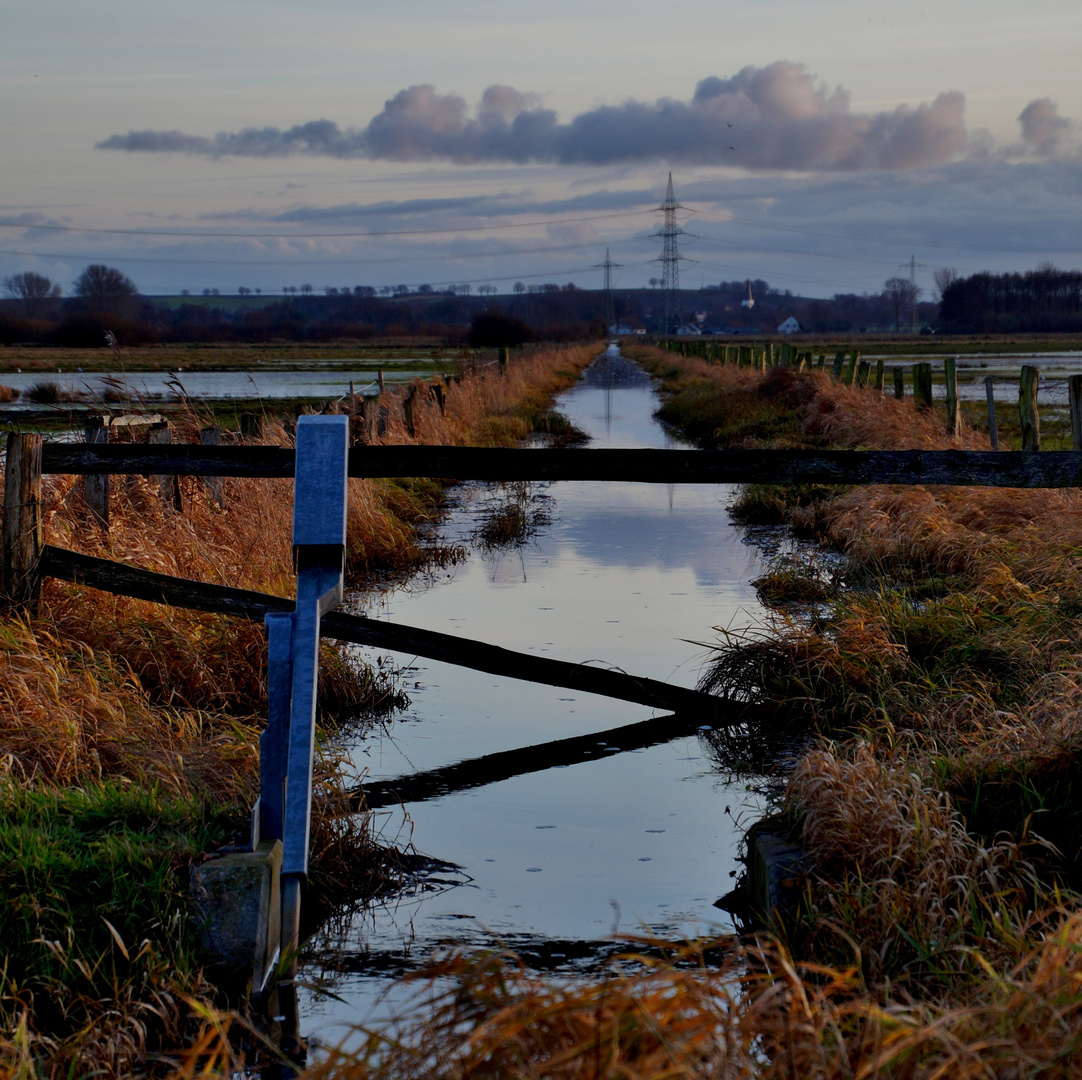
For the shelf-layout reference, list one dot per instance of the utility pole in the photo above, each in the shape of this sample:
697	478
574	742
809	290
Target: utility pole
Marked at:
610	307
913	266
670	260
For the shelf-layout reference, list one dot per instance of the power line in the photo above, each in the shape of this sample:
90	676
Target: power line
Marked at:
187	233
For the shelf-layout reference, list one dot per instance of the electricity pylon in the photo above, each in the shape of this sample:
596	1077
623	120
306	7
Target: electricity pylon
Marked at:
610	307
670	260
913	266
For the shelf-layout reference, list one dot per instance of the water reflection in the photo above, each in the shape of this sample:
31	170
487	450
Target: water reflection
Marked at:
628	575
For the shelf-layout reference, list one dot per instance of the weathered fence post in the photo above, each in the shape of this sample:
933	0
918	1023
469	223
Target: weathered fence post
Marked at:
407	411
212	436
22	531
1074	393
438	394
251	424
96	488
899	383
993	427
922	385
382	383
1028	415
851	367
880	373
168	485
954	419
864	369
839	363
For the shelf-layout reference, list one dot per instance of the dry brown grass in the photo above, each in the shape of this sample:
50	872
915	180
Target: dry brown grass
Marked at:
102	690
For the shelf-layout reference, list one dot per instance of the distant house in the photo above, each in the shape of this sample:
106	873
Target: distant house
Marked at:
689	330
620	329
790	326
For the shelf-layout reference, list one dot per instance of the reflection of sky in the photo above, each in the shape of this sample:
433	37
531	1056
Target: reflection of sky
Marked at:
624	576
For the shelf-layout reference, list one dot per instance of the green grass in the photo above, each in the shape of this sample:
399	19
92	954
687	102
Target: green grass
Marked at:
72	859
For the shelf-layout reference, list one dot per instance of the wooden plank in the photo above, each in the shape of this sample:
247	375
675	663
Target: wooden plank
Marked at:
20	546
179	459
980	468
125	580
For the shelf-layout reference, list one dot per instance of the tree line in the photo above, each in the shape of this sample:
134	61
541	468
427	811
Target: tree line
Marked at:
1037	301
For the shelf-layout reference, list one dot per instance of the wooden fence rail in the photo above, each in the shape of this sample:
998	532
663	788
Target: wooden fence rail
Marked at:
131	581
977	468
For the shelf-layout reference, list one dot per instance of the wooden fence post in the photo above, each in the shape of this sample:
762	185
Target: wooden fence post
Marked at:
212	436
168	486
1028	415
922	385
96	488
22	530
1074	392
954	419
899	383
864	369
880	373
407	411
993	427
851	367
839	363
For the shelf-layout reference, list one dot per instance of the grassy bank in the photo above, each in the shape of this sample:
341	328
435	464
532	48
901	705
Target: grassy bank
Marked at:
924	640
129	731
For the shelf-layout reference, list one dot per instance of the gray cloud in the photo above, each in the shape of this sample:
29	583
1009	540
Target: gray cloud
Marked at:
774	117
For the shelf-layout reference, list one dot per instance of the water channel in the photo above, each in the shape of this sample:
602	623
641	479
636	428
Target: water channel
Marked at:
552	863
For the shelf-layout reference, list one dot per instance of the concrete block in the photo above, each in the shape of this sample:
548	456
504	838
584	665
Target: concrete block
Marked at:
777	871
237	898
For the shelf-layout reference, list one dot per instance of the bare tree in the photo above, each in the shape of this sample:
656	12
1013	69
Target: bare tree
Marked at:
34	290
945	277
306	289
519	287
104	288
902	294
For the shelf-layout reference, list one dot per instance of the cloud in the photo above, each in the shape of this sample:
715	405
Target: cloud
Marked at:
778	117
1044	132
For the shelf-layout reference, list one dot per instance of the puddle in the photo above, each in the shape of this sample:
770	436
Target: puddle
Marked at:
619	839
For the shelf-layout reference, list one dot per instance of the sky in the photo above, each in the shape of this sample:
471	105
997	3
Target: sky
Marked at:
817	145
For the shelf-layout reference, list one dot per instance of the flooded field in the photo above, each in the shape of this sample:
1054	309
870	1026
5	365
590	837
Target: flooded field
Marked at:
262	384
553	863
1056	368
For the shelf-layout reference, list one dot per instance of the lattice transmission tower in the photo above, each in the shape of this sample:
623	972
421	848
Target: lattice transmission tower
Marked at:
670	260
610	307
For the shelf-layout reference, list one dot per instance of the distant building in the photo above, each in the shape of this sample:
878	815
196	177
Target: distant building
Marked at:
689	330
750	302
790	326
620	329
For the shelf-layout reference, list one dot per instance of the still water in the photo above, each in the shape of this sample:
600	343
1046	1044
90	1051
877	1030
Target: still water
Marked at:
634	576
139	388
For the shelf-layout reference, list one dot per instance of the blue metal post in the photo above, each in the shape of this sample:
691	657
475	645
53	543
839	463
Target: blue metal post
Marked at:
274	741
319	546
